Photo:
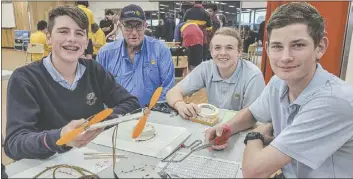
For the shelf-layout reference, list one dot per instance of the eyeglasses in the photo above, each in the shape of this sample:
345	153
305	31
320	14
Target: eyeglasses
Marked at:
130	27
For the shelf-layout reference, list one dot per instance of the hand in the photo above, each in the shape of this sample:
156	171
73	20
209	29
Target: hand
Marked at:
187	111
212	133
267	131
82	139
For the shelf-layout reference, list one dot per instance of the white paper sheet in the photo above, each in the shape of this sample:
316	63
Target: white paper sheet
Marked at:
74	157
166	140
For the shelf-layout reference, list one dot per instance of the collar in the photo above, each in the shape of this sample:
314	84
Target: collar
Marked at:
80	69
320	78
232	79
198	6
124	52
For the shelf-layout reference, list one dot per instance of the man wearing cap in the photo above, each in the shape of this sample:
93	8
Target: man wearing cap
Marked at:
139	63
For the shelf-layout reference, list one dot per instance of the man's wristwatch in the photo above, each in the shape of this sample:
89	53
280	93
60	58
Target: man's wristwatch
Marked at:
253	136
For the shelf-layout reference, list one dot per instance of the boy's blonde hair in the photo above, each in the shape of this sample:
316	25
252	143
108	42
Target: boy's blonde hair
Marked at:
228	31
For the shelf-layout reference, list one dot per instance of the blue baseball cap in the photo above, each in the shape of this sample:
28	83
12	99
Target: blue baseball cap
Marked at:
132	12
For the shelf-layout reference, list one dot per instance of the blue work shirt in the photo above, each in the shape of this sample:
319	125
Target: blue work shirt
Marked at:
152	67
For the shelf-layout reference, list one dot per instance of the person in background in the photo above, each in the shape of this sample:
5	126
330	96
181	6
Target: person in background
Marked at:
98	39
40	37
307	110
179	19
115	28
249	38
48	98
169	27
231	82
83	5
139	63
212	10
197	14
193	40
261	32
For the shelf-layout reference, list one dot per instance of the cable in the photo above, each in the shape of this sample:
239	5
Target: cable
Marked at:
75	168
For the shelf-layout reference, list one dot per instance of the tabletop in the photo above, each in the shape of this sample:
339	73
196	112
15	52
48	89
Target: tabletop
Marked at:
234	152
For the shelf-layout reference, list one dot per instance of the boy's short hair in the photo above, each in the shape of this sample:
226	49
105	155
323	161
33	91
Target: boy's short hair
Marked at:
85	3
42	25
298	13
213	7
94	27
73	12
109	12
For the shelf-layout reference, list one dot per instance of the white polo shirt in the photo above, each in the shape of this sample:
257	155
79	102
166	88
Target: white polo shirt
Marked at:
235	93
316	130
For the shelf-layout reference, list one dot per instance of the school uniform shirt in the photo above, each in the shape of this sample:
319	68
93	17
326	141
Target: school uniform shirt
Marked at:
98	38
315	130
40	102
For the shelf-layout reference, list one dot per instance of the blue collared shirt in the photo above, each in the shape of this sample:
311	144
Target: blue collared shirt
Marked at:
80	70
152	67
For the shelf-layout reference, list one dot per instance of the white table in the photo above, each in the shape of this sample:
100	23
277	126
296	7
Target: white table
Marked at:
6	74
234	152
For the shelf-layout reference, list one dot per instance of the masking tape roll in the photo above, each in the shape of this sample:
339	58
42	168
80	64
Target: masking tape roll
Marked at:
208	111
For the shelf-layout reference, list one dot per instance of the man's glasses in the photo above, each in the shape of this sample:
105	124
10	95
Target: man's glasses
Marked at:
130	27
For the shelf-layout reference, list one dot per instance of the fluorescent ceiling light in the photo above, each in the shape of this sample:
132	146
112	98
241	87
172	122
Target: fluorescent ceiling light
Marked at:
231	6
216	2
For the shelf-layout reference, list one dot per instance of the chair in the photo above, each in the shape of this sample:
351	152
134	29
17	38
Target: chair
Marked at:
21	39
34	48
252	53
180	65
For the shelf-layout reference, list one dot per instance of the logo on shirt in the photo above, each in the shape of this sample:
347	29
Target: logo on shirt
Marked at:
153	61
91	99
236	96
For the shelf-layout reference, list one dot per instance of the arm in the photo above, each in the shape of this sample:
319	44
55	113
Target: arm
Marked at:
193	82
113	31
320	120
23	138
253	89
166	71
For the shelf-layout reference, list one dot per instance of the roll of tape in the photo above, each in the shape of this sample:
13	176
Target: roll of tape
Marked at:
208	111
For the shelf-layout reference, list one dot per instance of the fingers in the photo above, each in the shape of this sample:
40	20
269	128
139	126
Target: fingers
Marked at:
220	147
219	131
76	123
210	134
85	138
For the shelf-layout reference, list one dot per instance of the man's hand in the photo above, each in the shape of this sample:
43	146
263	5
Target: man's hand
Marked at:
187	111
212	133
82	139
267	131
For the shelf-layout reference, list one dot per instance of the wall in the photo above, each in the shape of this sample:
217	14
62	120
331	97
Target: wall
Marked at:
98	8
21	16
37	10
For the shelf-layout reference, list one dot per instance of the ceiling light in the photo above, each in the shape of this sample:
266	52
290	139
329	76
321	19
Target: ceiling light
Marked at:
231	6
216	2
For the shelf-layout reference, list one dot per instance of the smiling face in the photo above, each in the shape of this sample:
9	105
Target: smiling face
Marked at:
292	52
224	51
67	39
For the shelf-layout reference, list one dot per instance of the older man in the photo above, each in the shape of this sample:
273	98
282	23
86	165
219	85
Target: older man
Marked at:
138	62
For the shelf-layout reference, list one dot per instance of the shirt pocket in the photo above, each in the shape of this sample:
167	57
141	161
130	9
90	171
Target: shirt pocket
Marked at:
151	75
